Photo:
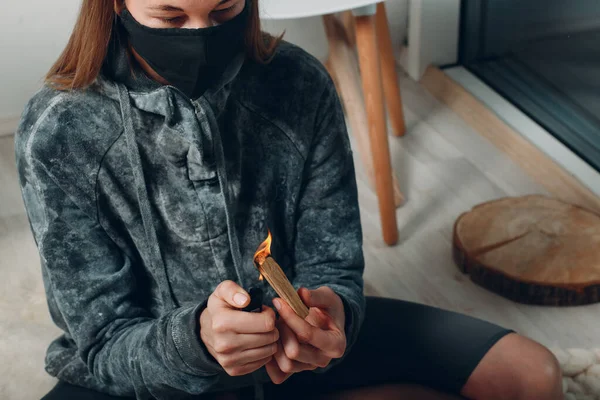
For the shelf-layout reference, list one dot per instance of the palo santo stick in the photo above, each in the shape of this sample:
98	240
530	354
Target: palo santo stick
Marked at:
272	272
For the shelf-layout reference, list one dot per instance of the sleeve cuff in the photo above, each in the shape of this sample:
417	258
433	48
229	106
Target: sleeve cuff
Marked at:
185	331
349	320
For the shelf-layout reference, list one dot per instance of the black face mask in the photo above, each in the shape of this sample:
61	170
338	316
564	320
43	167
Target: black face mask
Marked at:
190	59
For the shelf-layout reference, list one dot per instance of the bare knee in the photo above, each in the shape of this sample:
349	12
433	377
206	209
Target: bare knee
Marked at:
516	368
545	380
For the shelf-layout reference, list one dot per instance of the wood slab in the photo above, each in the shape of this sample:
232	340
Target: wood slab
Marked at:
532	249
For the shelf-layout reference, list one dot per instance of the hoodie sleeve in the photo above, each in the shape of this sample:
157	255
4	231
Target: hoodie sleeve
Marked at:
91	288
328	247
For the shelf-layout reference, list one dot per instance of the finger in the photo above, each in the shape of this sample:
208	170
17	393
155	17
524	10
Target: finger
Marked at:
324	298
247	356
277	375
288	366
329	307
314	316
234	342
329	341
304	353
319	318
228	320
248	368
232	294
305	296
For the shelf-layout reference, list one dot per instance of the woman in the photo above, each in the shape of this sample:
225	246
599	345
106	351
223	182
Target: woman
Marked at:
170	136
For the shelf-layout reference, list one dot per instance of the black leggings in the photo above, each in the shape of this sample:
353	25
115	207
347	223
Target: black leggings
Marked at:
400	342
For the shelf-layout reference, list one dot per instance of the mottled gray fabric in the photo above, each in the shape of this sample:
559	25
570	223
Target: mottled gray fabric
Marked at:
141	201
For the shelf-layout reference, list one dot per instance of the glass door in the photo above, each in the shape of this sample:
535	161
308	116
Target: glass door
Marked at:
544	57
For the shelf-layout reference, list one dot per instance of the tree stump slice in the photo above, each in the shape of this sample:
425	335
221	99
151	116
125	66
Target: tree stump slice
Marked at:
532	249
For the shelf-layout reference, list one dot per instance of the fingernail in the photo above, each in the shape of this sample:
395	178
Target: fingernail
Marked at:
277	304
240	298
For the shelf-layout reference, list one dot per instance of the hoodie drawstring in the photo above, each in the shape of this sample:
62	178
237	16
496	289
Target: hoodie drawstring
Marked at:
133	153
208	122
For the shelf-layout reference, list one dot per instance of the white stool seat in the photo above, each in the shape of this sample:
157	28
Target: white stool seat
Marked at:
284	9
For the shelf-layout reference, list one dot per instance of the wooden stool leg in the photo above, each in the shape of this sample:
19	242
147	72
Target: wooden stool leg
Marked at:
347	20
388	71
366	39
343	68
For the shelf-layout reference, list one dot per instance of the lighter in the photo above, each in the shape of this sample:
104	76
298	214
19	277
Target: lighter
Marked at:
256	300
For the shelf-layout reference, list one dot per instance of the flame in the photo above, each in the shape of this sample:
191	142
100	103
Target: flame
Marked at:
264	251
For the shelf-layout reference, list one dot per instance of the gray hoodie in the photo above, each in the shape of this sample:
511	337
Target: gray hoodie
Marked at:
141	201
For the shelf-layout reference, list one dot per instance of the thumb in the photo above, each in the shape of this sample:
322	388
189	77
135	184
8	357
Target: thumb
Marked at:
232	294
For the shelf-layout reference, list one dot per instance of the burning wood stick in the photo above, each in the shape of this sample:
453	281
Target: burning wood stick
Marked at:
272	272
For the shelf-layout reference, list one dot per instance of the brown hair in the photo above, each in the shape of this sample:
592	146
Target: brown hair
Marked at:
82	59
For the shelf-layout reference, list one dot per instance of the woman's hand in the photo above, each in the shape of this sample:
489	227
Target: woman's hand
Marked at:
311	343
241	342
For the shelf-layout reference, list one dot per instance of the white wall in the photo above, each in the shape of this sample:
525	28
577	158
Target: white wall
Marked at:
34	32
32	35
433	35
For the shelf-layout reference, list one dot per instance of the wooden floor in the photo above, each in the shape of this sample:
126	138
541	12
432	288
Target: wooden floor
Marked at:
444	168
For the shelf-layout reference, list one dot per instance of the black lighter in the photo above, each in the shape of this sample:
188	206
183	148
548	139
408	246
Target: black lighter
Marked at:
256	300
